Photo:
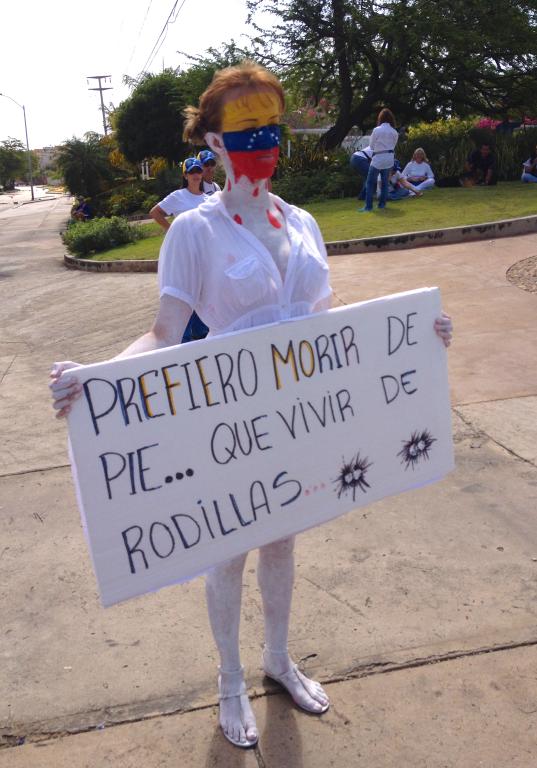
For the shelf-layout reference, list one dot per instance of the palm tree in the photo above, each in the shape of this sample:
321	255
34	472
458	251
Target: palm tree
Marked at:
85	165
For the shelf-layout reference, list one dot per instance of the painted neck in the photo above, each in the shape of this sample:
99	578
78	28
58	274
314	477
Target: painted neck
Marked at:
240	192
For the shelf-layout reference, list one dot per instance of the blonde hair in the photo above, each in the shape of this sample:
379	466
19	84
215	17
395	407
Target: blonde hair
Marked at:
419	149
208	116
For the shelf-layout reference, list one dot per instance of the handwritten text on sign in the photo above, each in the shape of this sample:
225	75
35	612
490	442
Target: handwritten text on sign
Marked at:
191	455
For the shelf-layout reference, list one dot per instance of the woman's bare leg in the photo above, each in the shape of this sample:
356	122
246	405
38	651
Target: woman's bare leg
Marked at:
275	576
224	593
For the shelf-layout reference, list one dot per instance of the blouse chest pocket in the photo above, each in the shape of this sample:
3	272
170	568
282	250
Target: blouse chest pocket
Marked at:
315	276
248	280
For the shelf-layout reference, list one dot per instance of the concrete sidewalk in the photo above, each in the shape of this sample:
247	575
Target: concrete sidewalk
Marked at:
418	612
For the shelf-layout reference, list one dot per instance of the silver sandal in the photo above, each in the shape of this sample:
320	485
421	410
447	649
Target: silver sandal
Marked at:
281	679
242	692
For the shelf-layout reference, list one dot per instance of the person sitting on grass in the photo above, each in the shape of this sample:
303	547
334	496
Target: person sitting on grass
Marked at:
399	187
82	211
480	168
530	168
418	171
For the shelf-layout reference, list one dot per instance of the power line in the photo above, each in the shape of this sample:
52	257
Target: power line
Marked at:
138	38
164	32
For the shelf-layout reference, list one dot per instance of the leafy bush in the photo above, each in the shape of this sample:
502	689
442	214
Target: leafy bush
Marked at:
313	175
100	235
150	202
124	200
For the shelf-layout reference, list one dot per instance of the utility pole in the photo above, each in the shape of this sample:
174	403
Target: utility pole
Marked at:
27	145
101	89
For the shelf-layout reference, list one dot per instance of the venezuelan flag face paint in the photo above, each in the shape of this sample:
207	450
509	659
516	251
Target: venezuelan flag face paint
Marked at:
251	134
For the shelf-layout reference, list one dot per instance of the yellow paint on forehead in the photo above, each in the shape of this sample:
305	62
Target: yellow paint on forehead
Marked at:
253	110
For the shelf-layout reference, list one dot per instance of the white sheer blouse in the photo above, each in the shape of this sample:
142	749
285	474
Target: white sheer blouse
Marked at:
227	275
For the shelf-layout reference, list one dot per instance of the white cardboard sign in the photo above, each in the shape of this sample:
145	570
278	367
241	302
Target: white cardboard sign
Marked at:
189	456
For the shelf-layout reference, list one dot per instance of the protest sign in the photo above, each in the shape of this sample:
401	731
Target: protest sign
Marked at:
191	455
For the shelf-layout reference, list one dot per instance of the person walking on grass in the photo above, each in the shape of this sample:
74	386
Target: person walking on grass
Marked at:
383	142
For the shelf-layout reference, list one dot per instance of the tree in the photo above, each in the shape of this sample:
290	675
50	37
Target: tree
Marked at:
14	162
85	165
149	122
420	58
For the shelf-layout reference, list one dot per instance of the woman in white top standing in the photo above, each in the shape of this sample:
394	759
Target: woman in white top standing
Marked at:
418	171
185	199
383	142
243	259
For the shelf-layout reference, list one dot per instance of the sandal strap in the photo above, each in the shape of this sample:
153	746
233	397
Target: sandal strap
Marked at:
277	653
231	671
243	692
290	672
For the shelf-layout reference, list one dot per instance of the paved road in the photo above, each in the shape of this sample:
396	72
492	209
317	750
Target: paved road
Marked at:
442	574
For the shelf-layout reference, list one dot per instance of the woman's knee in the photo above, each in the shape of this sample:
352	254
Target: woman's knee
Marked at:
231	568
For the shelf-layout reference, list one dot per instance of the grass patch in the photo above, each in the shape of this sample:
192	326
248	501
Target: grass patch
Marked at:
148	248
438	208
340	220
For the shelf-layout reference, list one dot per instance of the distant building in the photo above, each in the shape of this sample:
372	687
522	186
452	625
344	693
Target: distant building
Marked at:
47	155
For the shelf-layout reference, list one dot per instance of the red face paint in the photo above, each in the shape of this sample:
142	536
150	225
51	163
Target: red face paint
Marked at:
238	219
259	164
228	185
256	192
273	220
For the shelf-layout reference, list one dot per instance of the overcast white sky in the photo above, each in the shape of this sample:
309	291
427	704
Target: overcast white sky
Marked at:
53	46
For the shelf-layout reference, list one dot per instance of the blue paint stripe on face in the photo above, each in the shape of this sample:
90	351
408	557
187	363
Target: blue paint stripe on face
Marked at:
267	137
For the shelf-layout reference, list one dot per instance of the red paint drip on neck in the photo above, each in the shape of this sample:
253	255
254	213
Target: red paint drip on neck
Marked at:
256	192
278	207
273	220
238	219
228	185
237	174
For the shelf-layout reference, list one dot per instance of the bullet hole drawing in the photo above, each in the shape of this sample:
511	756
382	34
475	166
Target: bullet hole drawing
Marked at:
419	445
352	476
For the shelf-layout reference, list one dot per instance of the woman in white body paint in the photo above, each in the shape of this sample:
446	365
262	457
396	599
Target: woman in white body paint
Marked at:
242	259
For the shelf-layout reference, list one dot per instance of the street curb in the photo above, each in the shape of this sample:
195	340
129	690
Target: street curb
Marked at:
131	265
488	230
472	232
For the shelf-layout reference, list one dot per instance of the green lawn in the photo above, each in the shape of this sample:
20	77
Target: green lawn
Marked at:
144	249
340	220
437	208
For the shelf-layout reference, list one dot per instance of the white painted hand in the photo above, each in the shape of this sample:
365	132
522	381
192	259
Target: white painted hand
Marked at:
65	388
443	328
